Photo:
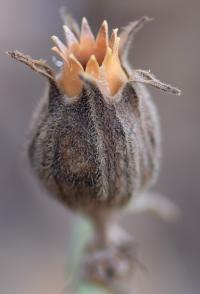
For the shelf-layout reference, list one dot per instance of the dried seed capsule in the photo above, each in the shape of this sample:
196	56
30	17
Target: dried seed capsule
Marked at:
95	140
95	137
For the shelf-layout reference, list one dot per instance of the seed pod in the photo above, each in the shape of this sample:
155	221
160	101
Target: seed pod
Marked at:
95	138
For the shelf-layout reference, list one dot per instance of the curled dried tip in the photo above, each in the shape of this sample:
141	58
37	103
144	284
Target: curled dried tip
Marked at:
146	77
11	53
128	32
136	25
39	66
146	18
15	54
172	90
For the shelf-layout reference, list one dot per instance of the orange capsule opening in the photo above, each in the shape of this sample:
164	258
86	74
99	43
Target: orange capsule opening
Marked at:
98	57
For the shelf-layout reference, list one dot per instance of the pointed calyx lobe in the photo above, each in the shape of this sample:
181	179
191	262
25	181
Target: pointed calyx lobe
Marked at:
39	66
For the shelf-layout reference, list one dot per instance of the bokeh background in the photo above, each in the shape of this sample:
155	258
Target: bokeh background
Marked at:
35	230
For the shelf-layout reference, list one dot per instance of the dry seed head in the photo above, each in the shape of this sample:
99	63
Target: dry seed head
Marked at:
97	57
92	156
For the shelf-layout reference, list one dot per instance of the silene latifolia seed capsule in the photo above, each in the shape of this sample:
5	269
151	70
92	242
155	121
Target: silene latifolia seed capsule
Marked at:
95	137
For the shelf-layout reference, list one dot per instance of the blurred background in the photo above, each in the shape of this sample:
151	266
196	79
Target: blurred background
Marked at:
35	230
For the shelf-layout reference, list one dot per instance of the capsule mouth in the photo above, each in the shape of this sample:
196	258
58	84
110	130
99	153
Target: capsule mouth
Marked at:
98	57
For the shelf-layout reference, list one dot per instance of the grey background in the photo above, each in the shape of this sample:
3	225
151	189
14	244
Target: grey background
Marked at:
35	230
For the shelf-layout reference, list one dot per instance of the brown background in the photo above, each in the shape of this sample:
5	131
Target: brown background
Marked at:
35	230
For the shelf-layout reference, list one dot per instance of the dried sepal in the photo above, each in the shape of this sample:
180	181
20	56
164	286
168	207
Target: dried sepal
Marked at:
128	33
42	68
39	66
146	77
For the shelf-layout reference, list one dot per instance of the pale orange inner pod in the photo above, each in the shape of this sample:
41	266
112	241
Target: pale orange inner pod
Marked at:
97	57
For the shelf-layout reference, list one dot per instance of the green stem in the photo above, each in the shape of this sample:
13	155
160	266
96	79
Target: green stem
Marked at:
81	234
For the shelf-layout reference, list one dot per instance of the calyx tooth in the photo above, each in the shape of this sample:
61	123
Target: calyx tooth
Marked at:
112	68
92	67
69	36
74	64
116	47
86	30
113	38
102	37
59	53
69	80
108	57
58	43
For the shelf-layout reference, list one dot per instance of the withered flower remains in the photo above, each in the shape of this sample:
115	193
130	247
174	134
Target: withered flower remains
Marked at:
95	138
